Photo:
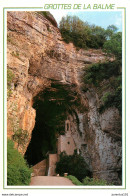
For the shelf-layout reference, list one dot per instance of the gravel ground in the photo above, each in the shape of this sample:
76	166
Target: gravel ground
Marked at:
50	181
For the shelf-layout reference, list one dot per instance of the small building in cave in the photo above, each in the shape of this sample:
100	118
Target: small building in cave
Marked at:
66	142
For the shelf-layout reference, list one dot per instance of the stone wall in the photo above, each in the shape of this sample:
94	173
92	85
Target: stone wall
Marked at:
40	168
66	144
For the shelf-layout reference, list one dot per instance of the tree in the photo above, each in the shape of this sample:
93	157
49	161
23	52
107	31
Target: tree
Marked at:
111	30
114	45
80	33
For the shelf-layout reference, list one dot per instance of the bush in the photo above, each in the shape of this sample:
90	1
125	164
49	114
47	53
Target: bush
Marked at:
97	72
18	172
87	181
94	181
111	71
74	180
73	165
114	45
112	99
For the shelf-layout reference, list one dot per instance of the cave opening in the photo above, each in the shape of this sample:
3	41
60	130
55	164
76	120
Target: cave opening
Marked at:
52	108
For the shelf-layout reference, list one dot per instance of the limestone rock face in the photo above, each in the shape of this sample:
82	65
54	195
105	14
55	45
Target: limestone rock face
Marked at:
37	56
105	143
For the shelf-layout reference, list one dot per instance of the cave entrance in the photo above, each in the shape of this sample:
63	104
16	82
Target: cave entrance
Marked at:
52	108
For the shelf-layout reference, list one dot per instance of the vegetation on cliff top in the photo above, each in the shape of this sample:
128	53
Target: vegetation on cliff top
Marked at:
18	172
95	74
84	35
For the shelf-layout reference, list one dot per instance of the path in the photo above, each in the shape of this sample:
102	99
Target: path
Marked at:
50	181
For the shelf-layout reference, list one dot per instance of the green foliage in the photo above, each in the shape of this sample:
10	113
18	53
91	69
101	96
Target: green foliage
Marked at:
112	99
105	97
74	180
114	45
111	30
88	181
97	72
73	165
21	137
10	77
94	181
18	173
81	33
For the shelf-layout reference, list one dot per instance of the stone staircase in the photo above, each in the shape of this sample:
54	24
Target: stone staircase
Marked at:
46	167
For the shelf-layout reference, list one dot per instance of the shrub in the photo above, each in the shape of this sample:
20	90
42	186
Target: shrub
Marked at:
94	181
73	165
87	181
97	72
18	172
112	99
74	180
111	71
114	45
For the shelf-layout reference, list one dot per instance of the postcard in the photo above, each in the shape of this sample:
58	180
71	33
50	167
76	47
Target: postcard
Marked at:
64	97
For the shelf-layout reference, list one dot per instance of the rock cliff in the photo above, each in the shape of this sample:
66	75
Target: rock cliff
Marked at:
38	58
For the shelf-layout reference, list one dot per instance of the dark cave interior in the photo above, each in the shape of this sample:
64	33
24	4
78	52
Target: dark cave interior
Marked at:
52	106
